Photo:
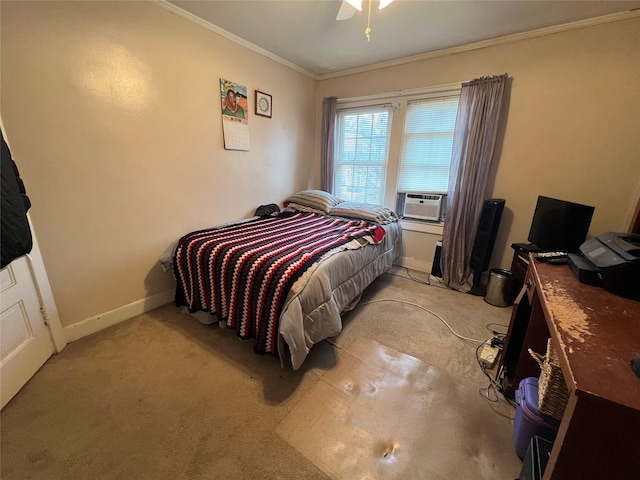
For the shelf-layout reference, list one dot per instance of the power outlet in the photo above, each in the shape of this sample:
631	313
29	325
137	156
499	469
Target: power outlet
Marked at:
488	356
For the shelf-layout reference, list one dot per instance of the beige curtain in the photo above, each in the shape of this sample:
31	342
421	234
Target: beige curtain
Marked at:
474	140
327	142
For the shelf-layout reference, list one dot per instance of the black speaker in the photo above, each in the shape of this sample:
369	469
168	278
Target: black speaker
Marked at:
436	271
485	239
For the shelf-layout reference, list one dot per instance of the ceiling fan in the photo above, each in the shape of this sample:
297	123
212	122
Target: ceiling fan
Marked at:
348	9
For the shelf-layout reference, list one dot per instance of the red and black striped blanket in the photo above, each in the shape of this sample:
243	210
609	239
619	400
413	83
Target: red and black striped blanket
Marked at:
244	272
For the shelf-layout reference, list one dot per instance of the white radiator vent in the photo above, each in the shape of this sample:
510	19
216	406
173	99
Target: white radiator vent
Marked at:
422	206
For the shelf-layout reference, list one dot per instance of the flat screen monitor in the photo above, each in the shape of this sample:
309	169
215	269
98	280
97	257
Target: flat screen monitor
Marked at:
560	226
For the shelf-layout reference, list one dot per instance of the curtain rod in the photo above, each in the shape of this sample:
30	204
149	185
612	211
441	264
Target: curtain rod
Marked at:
403	93
495	78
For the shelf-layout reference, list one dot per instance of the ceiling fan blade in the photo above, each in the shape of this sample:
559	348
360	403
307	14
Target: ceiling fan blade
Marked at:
346	11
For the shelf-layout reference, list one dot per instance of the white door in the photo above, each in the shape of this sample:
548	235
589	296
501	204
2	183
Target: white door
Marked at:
24	337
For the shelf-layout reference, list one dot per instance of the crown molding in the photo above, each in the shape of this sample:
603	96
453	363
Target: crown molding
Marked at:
230	36
516	37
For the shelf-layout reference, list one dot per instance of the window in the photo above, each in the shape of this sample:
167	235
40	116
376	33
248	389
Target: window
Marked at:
373	161
426	145
362	138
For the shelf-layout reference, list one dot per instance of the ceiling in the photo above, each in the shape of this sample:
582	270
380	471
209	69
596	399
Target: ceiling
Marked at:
306	35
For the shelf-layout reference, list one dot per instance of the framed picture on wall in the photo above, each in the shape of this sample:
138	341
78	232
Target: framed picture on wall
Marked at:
263	104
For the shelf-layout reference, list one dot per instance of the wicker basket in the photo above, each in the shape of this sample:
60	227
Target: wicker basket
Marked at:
552	390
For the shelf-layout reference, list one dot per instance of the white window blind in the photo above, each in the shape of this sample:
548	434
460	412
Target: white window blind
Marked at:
426	145
362	147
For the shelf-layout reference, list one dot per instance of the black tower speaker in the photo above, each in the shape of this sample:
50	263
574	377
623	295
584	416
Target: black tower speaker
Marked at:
485	239
436	270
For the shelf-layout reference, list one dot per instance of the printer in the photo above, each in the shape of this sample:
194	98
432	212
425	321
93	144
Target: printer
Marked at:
610	260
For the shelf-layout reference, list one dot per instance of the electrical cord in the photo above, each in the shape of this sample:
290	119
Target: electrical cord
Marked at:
494	331
492	390
411	277
462	337
417	280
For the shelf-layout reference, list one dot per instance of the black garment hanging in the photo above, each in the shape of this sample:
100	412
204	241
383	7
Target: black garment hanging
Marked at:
15	238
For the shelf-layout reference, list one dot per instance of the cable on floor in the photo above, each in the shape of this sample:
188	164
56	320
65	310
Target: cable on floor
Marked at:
462	337
422	282
492	392
487	326
417	280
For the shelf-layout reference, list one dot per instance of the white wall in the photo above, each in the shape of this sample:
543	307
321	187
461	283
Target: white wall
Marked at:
572	129
112	111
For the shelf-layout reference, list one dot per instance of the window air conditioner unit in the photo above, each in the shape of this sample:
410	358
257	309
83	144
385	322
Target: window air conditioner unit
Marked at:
422	206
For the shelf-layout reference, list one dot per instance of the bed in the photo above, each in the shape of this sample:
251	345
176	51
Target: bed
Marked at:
284	278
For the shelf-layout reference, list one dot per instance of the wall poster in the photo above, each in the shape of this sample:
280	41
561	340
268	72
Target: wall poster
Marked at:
235	115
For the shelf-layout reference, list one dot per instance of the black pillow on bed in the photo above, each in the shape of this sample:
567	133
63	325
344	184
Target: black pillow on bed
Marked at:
267	210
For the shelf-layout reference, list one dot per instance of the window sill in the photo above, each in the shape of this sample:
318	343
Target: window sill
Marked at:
434	228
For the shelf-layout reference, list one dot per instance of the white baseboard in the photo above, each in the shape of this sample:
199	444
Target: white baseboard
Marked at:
415	264
100	322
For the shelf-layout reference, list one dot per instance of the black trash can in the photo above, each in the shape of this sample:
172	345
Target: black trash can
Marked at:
536	458
499	288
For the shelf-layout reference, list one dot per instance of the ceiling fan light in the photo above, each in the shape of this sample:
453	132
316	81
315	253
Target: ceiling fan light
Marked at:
384	3
357	4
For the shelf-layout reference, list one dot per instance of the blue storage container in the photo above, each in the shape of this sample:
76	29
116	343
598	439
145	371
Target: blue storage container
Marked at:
528	420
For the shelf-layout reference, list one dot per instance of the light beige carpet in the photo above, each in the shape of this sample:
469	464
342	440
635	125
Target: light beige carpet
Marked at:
162	396
382	414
